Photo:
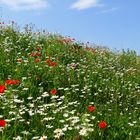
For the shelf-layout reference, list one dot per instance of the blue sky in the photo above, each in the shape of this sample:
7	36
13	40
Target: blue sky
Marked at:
112	23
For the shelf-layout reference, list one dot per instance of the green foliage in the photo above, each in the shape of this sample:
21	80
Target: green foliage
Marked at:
82	77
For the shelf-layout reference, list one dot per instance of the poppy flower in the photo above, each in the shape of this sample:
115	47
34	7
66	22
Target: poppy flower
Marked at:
48	61
2	123
36	60
12	82
37	54
53	92
2	88
102	124
53	64
17	81
9	82
91	108
37	49
32	54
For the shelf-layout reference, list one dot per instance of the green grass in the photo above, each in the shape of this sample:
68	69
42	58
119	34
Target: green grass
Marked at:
82	77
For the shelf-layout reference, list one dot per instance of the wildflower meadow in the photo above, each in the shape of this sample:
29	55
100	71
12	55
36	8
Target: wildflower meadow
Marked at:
56	88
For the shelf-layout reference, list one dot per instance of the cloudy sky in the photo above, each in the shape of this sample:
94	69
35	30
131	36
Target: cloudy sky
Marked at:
112	23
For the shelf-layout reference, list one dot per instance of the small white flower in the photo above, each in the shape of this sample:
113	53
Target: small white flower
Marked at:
31	112
83	132
54	97
65	114
90	129
93	117
60	88
58	133
22	112
24	78
65	89
38	98
87	120
49	126
62	121
17	138
43	138
13	119
62	97
66	125
7	120
134	122
18	101
64	129
31	105
59	103
49	118
35	138
25	132
69	128
22	120
29	98
87	115
77	127
25	89
131	124
45	94
138	102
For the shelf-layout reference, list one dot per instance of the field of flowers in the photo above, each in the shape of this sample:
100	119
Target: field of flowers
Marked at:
54	88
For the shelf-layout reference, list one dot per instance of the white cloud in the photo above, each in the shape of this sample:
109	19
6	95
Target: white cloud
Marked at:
84	4
24	4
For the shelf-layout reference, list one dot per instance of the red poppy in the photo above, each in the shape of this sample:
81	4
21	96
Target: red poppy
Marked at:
37	49
12	82
2	88
48	61
36	60
37	54
53	92
17	81
9	82
91	108
32	54
102	124
53	64
2	123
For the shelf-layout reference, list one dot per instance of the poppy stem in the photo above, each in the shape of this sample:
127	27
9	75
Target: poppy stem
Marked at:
102	135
